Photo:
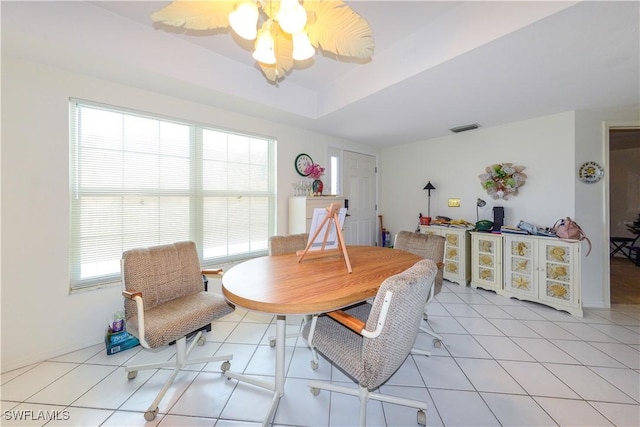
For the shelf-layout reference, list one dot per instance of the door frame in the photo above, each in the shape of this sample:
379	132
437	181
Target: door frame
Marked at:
607	127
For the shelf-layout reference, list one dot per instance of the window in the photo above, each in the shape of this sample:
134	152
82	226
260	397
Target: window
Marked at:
333	170
141	180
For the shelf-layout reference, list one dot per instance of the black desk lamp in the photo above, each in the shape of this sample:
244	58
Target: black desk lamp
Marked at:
429	187
479	204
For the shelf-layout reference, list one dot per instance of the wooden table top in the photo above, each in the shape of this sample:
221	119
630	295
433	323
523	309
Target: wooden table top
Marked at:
320	283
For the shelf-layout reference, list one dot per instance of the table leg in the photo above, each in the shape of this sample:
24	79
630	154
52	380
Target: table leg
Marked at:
281	339
278	392
278	386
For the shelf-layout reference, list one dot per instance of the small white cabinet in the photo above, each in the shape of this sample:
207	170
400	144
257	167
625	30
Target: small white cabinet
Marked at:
457	252
486	261
520	271
533	268
545	270
301	210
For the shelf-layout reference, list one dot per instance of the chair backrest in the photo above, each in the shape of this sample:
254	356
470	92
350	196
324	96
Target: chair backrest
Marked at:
161	273
430	246
383	355
280	245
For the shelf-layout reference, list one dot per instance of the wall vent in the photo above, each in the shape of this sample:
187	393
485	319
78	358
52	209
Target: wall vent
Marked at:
465	128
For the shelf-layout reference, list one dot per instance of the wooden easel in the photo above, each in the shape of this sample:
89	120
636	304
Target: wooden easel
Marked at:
331	218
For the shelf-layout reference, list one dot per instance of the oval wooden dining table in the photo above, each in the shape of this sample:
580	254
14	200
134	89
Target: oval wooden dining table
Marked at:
320	283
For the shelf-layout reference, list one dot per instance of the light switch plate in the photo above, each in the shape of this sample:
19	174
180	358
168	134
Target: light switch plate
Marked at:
454	203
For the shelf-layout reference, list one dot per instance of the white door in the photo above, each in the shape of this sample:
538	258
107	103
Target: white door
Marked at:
359	188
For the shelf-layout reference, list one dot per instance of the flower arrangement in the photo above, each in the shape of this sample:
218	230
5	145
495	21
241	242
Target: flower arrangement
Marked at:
314	170
502	180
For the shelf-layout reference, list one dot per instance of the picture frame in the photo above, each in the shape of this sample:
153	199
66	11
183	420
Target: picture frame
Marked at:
332	239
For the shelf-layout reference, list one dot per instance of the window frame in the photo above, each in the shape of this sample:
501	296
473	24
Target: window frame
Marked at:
196	193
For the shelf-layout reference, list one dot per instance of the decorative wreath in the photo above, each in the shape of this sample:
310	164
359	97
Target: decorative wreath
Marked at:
502	180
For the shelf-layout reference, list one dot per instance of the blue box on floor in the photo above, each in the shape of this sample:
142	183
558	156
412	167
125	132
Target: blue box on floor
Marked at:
120	341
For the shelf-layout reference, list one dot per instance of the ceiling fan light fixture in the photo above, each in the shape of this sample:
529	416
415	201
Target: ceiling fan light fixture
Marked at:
329	26
244	20
292	17
302	48
265	51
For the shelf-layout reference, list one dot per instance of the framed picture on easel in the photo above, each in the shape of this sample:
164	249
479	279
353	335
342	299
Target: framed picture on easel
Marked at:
326	233
317	219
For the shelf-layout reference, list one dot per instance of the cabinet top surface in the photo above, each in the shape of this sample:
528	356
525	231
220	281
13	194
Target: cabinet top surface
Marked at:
525	236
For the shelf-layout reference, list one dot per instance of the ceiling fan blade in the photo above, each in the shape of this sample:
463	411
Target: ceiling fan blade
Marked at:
195	15
283	46
338	29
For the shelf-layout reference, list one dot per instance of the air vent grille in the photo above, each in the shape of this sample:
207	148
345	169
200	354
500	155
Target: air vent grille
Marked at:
465	128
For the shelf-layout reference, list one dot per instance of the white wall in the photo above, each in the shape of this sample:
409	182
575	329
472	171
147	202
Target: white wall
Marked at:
453	164
592	199
40	318
551	148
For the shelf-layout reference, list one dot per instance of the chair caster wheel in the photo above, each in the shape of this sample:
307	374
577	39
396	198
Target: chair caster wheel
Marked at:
437	343
201	341
422	418
425	316
272	342
151	415
132	374
315	391
314	365
225	366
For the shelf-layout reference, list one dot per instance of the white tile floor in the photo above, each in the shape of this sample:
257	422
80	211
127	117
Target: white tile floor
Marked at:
504	362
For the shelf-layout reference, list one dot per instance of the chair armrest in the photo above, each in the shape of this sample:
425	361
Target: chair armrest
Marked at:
137	297
131	295
351	322
358	325
212	271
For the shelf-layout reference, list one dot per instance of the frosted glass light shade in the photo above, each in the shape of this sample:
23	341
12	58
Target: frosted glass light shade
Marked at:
265	47
302	48
244	20
292	17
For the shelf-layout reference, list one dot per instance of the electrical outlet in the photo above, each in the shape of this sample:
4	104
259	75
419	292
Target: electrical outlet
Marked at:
454	203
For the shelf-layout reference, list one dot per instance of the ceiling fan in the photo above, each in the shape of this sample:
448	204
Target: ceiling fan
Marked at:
285	31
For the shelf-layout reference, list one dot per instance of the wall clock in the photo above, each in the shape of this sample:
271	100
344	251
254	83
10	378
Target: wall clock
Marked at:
301	163
590	172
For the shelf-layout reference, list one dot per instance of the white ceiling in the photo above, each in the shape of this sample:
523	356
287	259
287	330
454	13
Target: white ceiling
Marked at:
437	65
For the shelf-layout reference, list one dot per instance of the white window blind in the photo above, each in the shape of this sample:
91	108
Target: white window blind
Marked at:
139	180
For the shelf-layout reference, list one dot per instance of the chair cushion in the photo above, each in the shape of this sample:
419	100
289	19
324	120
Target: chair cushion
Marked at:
338	343
384	354
430	246
178	317
280	245
161	273
175	304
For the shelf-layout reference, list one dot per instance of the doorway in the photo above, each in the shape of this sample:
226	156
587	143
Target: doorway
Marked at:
624	208
359	188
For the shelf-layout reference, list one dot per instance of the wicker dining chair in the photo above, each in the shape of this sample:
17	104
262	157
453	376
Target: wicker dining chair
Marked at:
370	342
165	301
428	246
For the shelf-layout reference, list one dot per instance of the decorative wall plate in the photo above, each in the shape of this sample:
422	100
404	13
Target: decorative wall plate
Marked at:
590	172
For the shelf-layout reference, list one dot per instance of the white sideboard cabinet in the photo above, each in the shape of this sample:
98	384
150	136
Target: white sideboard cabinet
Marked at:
544	270
301	210
457	252
486	261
